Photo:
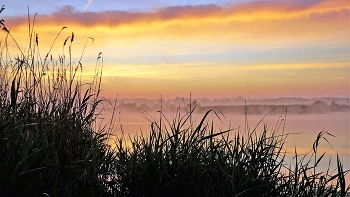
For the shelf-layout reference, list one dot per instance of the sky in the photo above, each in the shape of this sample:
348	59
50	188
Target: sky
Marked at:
215	49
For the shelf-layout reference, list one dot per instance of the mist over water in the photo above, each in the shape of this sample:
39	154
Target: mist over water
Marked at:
303	129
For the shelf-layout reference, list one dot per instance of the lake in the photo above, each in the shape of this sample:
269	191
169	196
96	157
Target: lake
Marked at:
304	129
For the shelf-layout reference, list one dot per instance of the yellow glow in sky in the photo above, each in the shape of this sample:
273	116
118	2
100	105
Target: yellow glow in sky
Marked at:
253	49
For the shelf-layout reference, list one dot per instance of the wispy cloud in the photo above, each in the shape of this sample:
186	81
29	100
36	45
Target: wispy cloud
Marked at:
87	5
248	11
257	22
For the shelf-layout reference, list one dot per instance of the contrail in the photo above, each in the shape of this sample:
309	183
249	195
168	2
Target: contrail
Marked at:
87	5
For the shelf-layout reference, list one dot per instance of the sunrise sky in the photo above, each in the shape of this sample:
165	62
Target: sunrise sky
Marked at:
286	48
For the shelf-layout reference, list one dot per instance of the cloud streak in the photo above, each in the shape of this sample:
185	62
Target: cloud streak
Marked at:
249	11
258	22
250	22
87	5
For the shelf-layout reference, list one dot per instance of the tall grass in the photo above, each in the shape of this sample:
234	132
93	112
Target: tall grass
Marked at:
176	159
51	143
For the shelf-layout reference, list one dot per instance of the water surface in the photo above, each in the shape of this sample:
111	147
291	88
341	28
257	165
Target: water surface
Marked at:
303	129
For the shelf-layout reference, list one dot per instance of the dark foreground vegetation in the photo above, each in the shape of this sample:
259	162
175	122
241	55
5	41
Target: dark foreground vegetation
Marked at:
51	143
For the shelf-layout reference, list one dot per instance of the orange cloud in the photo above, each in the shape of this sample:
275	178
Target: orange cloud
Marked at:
248	11
284	10
189	29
